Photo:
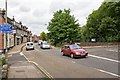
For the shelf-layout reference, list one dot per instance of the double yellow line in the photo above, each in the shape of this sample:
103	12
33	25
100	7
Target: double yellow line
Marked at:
40	68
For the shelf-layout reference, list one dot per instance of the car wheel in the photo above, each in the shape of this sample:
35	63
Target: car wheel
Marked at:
85	56
63	53
71	55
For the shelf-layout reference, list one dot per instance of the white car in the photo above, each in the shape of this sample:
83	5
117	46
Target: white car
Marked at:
40	42
29	46
45	46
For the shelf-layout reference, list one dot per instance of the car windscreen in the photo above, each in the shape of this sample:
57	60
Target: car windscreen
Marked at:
72	47
31	43
27	44
45	44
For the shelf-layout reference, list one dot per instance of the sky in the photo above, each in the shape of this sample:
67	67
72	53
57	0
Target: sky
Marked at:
35	14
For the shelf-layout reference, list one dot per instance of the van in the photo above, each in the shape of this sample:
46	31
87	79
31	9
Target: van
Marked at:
29	46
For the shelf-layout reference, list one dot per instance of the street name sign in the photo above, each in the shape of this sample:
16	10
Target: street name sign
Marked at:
5	28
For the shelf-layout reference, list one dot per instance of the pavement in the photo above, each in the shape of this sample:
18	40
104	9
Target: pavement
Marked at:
24	70
20	68
16	49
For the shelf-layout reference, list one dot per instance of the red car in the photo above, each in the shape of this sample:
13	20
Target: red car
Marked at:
73	51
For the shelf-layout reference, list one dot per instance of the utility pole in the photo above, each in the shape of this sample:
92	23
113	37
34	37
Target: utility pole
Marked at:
6	11
6	56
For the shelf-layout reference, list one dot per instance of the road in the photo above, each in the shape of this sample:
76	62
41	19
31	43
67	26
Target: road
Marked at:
101	63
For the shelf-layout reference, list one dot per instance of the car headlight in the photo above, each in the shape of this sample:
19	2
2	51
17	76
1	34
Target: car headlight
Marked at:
77	53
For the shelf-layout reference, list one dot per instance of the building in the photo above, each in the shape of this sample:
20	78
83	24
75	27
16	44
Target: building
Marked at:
35	38
2	35
19	35
29	36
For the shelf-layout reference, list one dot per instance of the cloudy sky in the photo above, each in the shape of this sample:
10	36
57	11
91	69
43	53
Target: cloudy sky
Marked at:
36	13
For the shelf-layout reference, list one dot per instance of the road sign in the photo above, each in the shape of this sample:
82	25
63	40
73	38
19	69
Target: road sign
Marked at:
13	31
6	28
1	27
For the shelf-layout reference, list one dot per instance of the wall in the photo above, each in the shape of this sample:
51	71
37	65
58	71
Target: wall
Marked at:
1	35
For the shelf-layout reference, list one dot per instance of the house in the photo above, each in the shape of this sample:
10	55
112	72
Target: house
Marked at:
19	35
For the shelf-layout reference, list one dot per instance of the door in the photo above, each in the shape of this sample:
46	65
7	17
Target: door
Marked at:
68	51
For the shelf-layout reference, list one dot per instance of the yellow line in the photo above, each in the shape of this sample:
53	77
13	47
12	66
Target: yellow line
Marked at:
41	68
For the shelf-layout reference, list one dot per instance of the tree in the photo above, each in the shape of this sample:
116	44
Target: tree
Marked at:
63	27
104	23
43	36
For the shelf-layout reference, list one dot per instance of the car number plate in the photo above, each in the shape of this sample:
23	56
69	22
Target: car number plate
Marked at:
82	54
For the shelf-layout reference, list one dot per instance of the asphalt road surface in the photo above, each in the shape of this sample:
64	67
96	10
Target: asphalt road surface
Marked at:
100	63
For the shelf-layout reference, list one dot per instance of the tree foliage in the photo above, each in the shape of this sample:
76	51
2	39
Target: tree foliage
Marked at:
63	27
43	36
104	23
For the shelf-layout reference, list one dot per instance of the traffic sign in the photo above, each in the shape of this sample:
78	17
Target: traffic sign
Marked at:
6	28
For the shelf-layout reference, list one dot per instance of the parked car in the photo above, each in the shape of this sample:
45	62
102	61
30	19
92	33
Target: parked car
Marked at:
44	42
73	51
45	46
29	46
40	42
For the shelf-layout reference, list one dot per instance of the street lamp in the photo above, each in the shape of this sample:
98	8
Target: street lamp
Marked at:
6	11
6	56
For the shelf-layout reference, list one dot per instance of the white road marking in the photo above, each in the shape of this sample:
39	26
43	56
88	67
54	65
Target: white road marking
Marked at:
36	49
112	50
41	68
21	54
104	58
109	73
73	61
10	55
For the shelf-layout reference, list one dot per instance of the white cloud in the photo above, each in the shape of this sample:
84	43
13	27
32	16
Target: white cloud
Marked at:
36	13
24	9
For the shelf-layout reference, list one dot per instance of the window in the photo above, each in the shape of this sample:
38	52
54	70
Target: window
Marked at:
74	47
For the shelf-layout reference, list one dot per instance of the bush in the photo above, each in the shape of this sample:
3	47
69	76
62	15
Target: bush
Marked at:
3	61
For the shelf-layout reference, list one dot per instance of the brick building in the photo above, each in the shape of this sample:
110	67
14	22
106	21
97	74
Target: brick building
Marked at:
2	13
19	35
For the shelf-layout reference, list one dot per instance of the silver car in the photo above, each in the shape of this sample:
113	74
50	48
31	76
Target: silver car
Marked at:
29	46
45	46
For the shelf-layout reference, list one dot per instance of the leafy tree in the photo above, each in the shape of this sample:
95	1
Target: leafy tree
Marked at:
63	27
104	23
43	36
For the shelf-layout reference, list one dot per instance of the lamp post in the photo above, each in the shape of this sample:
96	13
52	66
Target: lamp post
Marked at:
6	56
6	11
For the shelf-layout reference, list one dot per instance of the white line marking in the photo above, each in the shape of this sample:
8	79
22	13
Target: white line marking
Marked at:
112	50
10	55
40	68
21	54
104	58
109	73
37	50
26	58
73	61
